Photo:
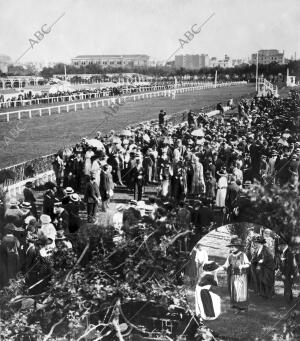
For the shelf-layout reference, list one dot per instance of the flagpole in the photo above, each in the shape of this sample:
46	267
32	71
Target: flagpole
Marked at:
256	73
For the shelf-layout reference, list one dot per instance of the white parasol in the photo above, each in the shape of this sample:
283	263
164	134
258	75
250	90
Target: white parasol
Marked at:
95	143
198	133
126	133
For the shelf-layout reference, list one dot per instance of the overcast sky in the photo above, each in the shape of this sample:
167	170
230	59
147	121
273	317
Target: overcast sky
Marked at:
153	27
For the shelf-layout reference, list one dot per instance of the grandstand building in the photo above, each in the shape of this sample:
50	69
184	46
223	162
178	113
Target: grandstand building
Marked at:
125	61
4	62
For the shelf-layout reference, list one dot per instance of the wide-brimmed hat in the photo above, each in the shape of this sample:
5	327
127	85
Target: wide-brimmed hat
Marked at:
45	219
235	241
69	190
74	197
26	205
29	219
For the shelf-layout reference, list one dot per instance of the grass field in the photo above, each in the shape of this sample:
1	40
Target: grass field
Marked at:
45	135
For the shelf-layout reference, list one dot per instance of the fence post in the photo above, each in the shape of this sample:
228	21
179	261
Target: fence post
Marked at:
29	113
19	115
82	105
49	111
67	106
40	112
58	108
75	109
7	117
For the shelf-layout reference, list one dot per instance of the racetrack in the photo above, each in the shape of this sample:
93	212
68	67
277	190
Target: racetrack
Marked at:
27	139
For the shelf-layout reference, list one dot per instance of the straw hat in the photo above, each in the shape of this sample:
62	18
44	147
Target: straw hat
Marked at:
69	190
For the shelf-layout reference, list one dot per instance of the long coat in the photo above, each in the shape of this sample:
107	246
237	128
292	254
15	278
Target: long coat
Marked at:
104	186
198	184
222	191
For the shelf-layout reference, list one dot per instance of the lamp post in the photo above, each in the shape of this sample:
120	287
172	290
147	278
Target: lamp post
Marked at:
256	74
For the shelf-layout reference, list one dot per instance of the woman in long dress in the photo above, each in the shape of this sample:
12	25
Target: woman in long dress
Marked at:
198	184
236	265
222	188
207	303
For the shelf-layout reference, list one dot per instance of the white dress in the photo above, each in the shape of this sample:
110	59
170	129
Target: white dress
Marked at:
222	191
87	162
96	169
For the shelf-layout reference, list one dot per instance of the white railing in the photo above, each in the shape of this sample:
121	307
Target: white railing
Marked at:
16	189
82	96
265	86
111	100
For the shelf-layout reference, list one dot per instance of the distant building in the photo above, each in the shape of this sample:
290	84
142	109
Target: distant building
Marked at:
267	57
192	61
239	61
223	63
4	62
132	60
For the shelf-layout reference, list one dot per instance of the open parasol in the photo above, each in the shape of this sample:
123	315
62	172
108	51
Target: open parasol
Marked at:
198	133
95	143
126	133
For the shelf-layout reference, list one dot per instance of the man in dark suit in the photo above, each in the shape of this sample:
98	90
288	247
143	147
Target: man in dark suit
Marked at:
49	199
92	198
62	218
138	181
161	118
29	197
104	187
289	270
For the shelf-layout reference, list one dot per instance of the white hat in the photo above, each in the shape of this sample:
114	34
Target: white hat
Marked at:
74	197
69	190
28	219
45	219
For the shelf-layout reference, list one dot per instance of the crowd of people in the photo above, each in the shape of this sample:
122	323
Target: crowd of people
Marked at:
195	167
253	265
34	97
